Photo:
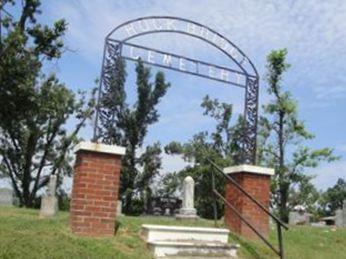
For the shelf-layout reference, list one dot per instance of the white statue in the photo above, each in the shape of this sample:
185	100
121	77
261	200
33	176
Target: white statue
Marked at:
188	211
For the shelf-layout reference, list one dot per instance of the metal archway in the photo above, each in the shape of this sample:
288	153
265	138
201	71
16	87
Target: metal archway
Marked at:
117	46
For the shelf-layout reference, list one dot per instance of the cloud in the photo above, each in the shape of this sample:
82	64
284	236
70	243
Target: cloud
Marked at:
331	93
342	148
327	175
314	33
172	163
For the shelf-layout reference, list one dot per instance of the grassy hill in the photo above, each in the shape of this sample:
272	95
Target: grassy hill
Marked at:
23	235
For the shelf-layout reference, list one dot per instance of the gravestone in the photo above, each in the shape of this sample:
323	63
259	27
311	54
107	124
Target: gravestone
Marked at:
6	196
188	211
299	216
344	214
119	208
340	216
49	203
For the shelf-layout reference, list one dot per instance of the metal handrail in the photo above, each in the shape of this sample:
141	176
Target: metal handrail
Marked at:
280	251
248	195
247	223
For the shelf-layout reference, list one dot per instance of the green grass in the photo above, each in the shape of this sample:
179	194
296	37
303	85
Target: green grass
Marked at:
23	235
301	242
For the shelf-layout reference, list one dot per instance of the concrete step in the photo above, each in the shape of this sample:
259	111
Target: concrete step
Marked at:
194	257
192	249
152	233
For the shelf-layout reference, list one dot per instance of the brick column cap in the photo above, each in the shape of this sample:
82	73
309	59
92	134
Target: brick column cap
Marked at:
249	169
101	148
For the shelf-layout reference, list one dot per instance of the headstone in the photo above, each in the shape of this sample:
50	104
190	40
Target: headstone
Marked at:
6	196
167	212
119	208
340	216
344	214
299	216
188	211
49	203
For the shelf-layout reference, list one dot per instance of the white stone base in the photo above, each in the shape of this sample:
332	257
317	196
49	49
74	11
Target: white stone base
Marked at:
192	249
186	217
188	242
187	213
49	207
160	233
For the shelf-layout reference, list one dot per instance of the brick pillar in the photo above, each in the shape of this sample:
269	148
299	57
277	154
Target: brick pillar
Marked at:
256	181
95	189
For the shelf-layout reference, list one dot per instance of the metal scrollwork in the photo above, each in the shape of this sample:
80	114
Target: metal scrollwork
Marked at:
110	67
250	122
244	76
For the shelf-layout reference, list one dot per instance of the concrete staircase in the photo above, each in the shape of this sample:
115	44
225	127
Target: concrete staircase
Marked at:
186	242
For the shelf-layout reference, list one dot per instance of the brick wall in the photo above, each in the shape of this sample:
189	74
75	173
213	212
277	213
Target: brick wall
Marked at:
259	187
95	193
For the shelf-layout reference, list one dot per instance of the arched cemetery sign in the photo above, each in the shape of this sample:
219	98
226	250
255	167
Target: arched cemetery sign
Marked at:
118	45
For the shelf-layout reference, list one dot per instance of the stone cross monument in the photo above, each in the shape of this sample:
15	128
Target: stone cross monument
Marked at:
49	203
188	211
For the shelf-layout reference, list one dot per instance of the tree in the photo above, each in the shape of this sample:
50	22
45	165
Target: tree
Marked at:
333	198
222	146
127	125
305	194
150	161
34	107
282	136
169	184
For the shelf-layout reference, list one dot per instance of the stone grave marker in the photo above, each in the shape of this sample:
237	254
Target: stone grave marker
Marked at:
119	208
340	216
49	203
299	216
6	196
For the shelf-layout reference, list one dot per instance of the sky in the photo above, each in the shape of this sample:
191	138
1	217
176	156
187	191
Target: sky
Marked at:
314	33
